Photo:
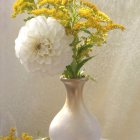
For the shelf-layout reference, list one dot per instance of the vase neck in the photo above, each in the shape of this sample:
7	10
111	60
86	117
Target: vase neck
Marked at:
74	96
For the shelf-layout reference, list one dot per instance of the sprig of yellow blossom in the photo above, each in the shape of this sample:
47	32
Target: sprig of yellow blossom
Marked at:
22	6
12	136
24	136
53	2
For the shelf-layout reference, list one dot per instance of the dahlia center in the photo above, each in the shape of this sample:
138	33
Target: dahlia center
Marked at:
44	47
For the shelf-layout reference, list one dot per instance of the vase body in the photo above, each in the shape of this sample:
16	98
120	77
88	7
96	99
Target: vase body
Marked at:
74	122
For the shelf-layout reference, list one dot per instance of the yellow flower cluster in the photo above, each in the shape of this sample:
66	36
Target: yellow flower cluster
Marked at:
54	2
25	136
12	136
89	23
94	18
85	12
62	11
79	25
45	11
114	26
60	14
102	17
43	2
21	6
89	4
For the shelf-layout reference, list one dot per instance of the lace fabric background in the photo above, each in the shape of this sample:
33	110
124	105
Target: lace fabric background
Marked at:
30	101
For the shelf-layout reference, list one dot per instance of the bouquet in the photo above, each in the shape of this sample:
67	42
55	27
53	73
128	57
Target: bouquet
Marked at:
59	35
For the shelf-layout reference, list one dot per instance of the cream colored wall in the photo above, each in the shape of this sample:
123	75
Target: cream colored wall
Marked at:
30	101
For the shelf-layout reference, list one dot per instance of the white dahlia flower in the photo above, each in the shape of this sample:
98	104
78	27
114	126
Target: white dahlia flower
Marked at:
42	45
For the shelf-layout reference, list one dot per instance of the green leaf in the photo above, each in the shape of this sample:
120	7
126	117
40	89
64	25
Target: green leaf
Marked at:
86	31
75	41
84	48
69	72
74	67
28	18
80	65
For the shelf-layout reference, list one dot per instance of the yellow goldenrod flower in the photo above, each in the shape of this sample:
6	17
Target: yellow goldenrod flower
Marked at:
114	26
20	6
45	11
89	4
25	136
43	2
53	2
61	15
58	14
85	12
13	130
92	22
64	9
79	25
102	16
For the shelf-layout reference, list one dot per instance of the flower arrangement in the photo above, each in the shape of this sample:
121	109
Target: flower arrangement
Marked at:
59	35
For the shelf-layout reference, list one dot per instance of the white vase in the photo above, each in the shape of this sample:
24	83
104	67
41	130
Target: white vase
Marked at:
74	122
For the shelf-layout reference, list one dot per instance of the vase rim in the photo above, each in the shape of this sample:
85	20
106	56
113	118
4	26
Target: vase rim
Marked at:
76	79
